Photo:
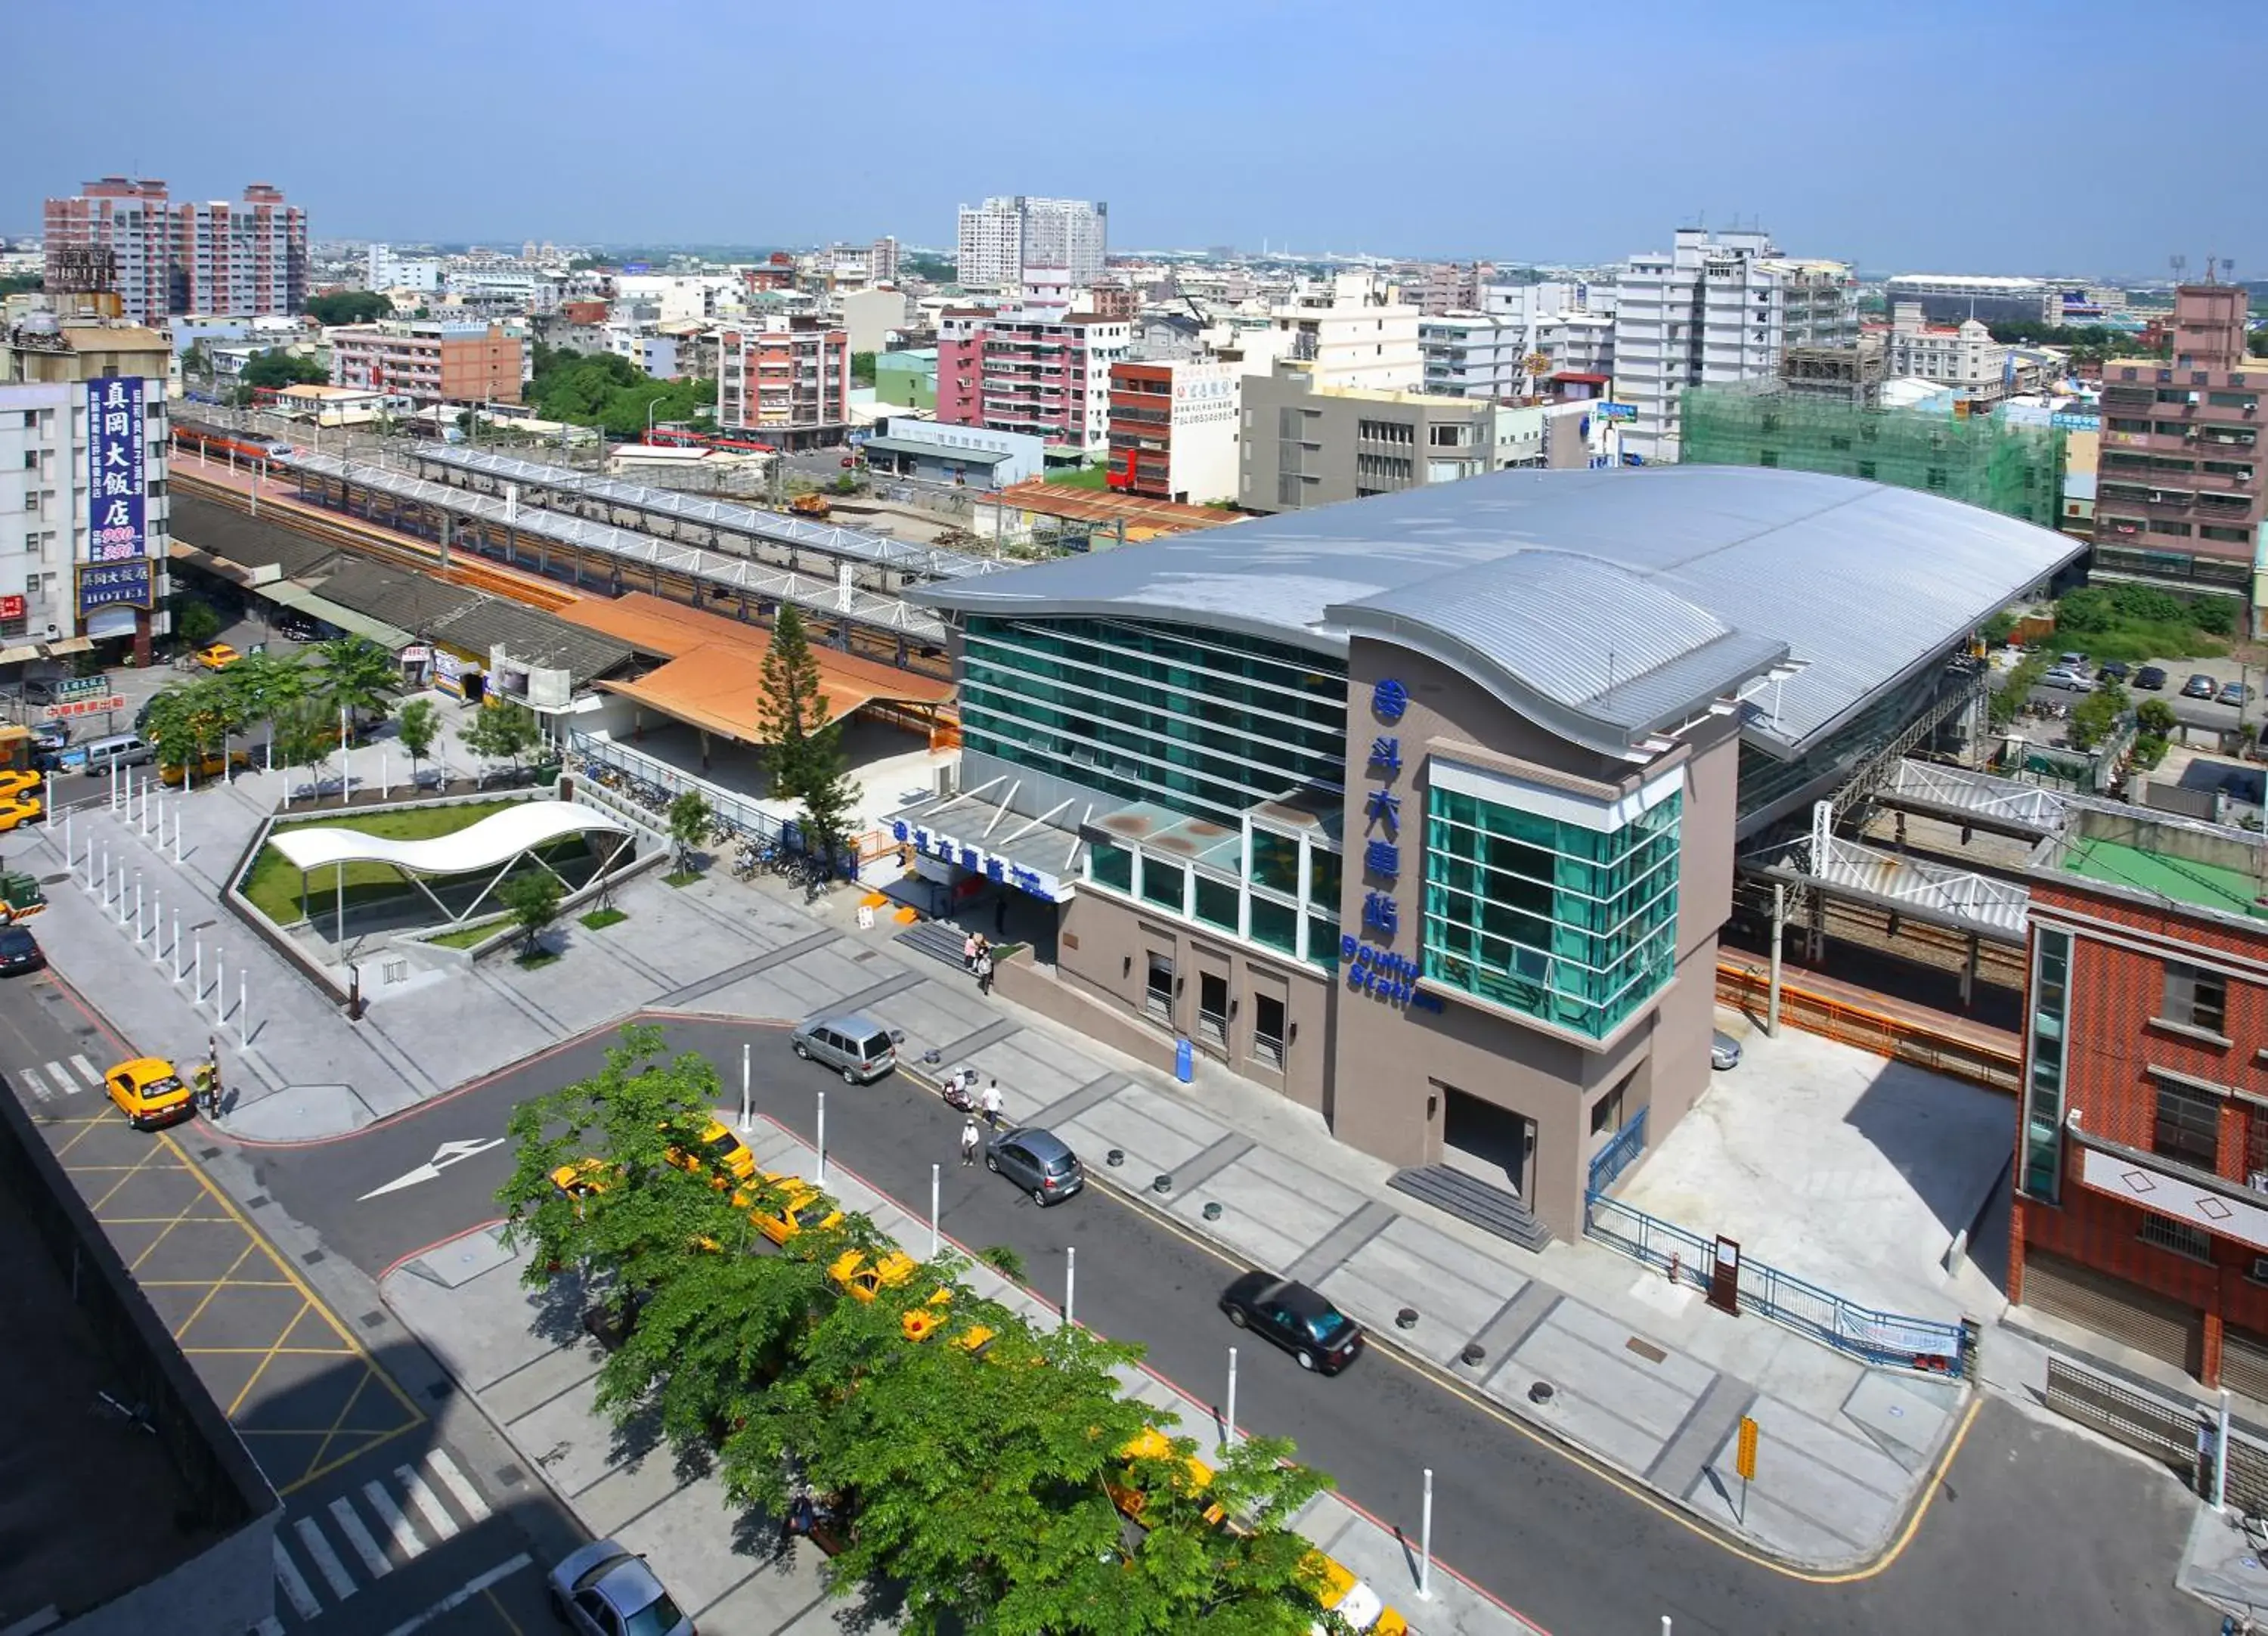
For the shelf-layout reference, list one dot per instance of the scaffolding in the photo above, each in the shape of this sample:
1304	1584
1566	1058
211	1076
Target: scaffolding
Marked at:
2014	470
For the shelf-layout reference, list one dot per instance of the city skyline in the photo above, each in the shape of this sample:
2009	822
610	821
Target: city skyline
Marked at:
1206	129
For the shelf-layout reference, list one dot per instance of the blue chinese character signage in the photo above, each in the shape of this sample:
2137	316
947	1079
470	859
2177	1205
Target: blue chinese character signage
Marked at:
108	585
1371	969
115	446
1390	698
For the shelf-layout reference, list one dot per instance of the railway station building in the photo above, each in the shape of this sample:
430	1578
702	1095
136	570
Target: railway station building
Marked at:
1423	809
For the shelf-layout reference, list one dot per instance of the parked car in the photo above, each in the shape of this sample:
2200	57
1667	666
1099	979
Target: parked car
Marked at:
19	952
1037	1161
149	1093
2115	671
607	1589
2071	678
2236	693
1296	1318
858	1046
1723	1050
2071	661
2200	686
219	656
2150	679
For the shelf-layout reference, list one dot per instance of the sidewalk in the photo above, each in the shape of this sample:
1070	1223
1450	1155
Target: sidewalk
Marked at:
523	1357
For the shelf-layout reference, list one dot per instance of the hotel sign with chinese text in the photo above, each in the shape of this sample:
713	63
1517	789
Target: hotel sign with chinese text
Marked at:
1371	970
117	486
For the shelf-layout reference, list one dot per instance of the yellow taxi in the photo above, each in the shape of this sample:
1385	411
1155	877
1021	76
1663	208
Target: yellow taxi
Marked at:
219	656
149	1093
862	1279
16	781
721	1154
585	1178
794	1207
1155	1445
15	809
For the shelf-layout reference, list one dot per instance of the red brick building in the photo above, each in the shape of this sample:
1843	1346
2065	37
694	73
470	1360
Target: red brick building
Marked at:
2141	1205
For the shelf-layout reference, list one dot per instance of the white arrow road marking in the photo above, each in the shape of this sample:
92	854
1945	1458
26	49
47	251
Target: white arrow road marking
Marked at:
448	1154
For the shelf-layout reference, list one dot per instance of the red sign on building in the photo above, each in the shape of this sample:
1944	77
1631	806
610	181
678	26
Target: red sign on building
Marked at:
11	608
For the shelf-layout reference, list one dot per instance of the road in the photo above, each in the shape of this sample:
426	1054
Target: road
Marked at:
2029	1520
384	1519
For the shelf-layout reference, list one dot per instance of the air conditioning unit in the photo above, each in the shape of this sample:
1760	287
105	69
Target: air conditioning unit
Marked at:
55	632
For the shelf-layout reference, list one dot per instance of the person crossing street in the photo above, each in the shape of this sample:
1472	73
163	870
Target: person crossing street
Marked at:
969	1140
991	1103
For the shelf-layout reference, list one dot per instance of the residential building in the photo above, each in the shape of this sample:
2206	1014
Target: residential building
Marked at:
229	260
906	379
1113	300
430	360
1422	812
1306	444
1353	330
2179	485
871	317
1173	430
999	237
1437	287
2141	1164
386	270
1475	355
974	457
83	462
790	382
882	258
1964	356
1956	298
2003	466
1043	373
1713	312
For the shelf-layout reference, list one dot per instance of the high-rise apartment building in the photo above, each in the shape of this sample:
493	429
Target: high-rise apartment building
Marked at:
1713	312
1037	371
2179	489
790	382
1474	355
882	259
1353	330
1306	444
241	260
999	237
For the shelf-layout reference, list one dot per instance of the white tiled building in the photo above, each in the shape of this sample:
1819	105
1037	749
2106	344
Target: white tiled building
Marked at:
999	237
54	537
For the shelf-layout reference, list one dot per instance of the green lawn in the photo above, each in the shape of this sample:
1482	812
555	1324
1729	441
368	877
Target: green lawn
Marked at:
599	920
464	937
1080	476
273	885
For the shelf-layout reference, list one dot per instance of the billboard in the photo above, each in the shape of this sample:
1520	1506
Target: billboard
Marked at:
116	446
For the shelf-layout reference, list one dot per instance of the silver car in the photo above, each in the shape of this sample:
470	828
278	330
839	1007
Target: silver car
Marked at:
1723	1050
606	1589
855	1046
1037	1161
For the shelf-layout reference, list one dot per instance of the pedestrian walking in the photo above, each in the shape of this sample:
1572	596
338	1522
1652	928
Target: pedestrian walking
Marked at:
991	1103
968	948
983	971
969	1140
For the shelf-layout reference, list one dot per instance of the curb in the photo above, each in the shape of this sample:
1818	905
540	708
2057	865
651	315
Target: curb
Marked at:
1822	1569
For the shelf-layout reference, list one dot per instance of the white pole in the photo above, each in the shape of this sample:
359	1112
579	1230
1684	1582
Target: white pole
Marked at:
385	777
2220	1442
243	1008
821	1177
114	786
177	948
1228	1421
744	1086
197	977
1070	1282
1426	1542
934	1184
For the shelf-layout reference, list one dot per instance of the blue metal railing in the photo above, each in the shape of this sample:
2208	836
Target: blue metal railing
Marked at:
1888	1338
1619	1154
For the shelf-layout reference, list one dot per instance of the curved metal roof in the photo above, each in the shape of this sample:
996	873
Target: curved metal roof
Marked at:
1715	567
491	843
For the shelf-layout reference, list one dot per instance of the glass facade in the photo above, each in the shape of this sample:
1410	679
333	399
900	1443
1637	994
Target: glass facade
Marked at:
1201	722
1574	926
2044	1084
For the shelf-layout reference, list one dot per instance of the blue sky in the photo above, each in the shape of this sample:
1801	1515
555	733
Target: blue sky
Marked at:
1926	135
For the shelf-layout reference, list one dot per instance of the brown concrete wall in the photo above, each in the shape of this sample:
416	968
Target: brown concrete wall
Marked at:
1102	955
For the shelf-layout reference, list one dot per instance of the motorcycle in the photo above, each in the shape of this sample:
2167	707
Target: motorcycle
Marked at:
959	1090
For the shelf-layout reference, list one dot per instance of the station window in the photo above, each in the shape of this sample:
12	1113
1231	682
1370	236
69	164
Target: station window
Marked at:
1274	925
1162	883
1111	865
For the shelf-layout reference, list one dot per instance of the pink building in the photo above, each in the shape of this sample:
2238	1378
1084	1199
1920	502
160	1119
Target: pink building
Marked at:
242	260
1038	372
790	384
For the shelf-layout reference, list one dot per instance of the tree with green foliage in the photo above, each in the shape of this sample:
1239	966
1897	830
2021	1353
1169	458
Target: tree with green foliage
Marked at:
168	727
276	368
503	732
862	369
1997	630
829	795
2156	716
2095	717
348	306
533	898
690	820
21	283
2015	690
605	390
418	726
266	683
936	269
194	622
791	702
305	734
357	676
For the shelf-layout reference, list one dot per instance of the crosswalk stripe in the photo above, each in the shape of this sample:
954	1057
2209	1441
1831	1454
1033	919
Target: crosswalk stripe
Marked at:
86	1072
351	1525
437	1521
327	1560
35	1084
56	1072
397	1526
295	1586
461	1488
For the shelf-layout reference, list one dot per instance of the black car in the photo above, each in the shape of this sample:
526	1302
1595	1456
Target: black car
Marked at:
1296	1318
2150	679
2115	671
19	952
1036	1161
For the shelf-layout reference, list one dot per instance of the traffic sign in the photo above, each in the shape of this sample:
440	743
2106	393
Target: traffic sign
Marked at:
1744	1456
